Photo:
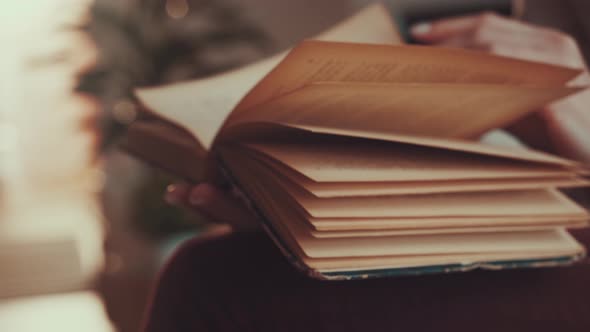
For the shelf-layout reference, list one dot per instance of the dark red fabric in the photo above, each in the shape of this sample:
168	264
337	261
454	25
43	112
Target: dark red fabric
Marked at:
241	282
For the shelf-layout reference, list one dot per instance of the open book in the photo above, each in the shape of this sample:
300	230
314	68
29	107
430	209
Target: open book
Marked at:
361	157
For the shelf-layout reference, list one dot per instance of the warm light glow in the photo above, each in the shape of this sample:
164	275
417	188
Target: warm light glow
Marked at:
177	9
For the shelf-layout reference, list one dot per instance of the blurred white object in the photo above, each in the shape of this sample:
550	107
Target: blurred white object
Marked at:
72	312
50	222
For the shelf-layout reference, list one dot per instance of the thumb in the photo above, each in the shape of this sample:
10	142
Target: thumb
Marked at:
220	206
436	31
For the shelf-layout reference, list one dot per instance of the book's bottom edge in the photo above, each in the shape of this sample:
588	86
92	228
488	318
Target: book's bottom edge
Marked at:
397	271
448	268
417	270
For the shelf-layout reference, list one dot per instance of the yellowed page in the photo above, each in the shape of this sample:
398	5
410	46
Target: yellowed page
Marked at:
244	159
506	203
529	241
343	189
317	61
516	153
374	188
369	161
553	242
444	230
423	109
505	179
344	224
203	105
556	244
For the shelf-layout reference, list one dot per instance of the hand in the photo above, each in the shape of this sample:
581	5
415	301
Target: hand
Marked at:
503	36
216	204
562	127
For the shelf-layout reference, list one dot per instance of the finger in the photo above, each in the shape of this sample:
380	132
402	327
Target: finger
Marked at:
465	41
177	193
220	206
439	30
514	39
474	29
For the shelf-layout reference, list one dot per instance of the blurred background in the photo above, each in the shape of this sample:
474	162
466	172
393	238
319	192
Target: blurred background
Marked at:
83	228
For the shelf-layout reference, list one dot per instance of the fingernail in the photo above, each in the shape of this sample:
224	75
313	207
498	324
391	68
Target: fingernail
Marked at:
421	28
170	196
171	188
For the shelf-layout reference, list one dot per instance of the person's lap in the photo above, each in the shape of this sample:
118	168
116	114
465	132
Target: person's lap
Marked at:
241	282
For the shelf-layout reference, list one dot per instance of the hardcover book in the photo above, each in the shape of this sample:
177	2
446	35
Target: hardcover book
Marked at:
361	156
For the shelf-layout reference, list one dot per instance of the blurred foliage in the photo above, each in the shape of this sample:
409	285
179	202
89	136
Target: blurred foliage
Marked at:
140	44
145	43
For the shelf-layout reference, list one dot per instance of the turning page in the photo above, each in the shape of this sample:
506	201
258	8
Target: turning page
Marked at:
316	61
202	106
421	109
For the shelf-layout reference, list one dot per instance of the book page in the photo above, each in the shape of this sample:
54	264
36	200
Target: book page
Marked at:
348	189
344	189
516	153
343	224
353	160
422	109
529	241
503	203
443	230
530	204
265	191
317	61
505	181
203	105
